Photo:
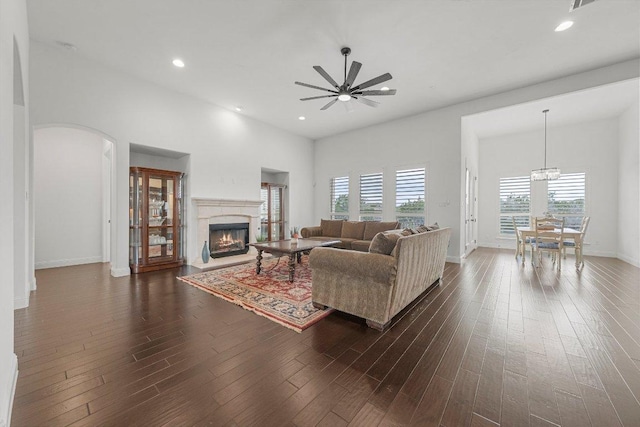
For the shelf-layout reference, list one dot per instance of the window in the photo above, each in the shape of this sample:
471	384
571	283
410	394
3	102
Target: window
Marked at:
272	212
566	197
410	197
515	201
340	198
371	197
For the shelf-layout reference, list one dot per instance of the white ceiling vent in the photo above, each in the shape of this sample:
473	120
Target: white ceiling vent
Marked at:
579	3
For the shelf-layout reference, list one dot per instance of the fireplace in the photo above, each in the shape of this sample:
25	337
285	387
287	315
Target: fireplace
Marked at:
228	239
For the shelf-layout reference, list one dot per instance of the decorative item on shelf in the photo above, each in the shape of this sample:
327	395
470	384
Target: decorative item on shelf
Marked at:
294	235
545	174
156	221
205	253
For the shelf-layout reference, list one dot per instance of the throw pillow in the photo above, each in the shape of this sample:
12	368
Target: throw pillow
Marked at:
353	230
385	241
372	228
331	227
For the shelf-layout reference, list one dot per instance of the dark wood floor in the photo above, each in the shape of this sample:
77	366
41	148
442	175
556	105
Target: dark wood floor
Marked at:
497	343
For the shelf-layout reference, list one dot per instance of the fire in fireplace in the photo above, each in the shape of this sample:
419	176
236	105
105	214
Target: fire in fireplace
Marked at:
228	239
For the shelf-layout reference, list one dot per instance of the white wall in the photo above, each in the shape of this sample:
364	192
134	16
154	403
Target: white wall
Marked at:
629	187
68	196
434	138
159	162
590	147
13	26
227	149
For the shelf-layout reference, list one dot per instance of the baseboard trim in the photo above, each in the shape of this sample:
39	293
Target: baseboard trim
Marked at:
67	262
629	260
454	259
33	285
6	404
19	303
120	272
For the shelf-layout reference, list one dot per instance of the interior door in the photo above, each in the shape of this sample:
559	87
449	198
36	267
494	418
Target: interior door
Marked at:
471	186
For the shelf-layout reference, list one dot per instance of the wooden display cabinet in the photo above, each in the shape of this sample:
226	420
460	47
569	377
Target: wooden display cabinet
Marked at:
156	212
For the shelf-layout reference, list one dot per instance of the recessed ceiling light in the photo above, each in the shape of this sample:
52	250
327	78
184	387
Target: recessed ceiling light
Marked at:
178	63
565	25
384	88
238	108
302	118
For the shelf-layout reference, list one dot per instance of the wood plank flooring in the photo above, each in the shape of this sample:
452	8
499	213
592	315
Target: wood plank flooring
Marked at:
497	344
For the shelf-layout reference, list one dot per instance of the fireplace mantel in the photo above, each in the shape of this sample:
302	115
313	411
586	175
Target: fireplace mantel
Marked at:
223	211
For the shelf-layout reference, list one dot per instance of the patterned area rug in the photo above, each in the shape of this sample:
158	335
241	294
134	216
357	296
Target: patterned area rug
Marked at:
269	294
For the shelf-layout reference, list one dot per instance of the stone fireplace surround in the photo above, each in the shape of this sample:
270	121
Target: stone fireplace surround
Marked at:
225	211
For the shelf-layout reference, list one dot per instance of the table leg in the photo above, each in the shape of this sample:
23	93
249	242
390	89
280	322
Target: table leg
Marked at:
578	251
299	256
292	266
259	261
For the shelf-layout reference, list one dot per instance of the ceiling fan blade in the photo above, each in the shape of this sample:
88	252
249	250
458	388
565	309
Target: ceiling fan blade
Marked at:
326	76
315	87
317	97
376	92
329	104
353	73
368	102
375	81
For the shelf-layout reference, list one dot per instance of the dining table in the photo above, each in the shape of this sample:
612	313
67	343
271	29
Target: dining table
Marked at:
568	233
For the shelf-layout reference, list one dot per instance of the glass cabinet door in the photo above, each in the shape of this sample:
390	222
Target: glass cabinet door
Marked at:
160	240
155	219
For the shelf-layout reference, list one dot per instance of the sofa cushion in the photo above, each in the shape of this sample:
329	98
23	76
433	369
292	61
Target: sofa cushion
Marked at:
353	230
372	228
385	241
331	227
345	243
360	245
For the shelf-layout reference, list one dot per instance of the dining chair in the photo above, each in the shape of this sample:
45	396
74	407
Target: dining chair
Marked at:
549	237
520	242
576	245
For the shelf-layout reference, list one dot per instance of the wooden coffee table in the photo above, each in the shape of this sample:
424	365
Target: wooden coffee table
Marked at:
288	247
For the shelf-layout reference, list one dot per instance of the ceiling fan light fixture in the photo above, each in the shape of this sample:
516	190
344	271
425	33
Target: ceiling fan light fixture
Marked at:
348	90
178	63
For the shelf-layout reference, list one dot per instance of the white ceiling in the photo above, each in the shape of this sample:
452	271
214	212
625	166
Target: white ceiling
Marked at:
602	102
250	52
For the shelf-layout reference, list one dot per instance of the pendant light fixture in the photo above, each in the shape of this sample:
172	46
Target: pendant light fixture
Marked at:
545	174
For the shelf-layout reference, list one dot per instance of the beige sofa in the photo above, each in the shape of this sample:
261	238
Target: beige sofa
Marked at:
355	235
377	286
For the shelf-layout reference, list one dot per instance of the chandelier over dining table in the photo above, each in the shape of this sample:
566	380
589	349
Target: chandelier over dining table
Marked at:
545	174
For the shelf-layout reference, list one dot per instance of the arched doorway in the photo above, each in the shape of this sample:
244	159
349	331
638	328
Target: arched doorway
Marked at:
73	176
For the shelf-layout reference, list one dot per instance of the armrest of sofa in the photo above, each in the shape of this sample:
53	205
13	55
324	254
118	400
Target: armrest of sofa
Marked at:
307	232
364	265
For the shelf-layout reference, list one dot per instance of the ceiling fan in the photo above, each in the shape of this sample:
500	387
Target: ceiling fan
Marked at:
347	91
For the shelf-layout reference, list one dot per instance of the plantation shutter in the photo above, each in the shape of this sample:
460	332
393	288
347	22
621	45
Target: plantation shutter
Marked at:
410	198
515	201
340	197
371	197
566	198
